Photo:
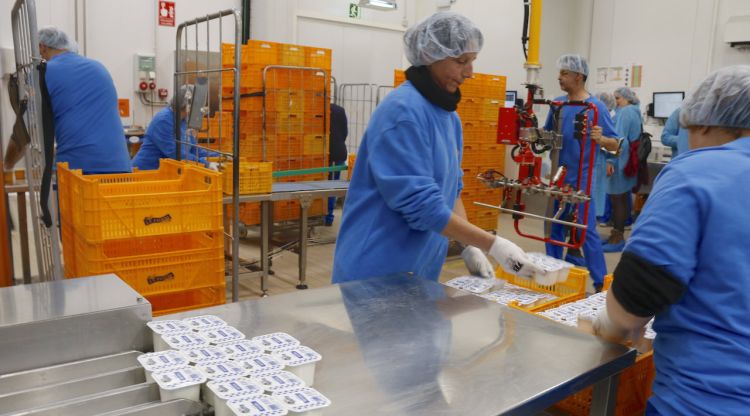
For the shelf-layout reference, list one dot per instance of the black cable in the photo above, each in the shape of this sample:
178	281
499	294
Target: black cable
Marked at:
525	30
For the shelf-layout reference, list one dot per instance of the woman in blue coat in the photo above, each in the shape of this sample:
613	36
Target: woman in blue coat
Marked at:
628	124
404	202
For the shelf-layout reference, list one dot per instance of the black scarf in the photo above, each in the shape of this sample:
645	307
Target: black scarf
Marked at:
422	80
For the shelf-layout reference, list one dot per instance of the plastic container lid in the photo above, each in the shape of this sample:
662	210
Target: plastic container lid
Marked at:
238	350
279	381
471	284
298	355
222	370
276	341
179	378
222	335
205	355
257	406
172	326
163	360
261	364
184	340
235	387
302	399
557	270
204	322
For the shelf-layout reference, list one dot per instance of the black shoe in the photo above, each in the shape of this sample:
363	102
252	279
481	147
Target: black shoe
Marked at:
597	288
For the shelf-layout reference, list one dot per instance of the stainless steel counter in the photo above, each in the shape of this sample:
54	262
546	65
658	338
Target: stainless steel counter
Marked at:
404	345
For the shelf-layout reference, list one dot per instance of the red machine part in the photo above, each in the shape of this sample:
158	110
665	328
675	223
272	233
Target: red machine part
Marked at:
162	93
507	126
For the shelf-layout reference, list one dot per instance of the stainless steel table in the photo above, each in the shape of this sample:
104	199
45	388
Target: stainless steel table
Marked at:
304	192
408	346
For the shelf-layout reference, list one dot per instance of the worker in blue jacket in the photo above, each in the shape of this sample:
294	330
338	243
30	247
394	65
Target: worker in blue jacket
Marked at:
629	125
686	262
88	129
159	141
599	187
404	199
572	77
675	136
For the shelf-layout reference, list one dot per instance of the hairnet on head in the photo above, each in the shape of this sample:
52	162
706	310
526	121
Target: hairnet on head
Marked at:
185	94
573	62
55	38
608	100
440	36
628	94
722	100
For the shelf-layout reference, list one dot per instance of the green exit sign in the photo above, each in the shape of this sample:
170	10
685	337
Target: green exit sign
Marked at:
354	11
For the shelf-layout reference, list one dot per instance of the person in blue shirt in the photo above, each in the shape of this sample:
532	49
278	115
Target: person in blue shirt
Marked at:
599	187
686	262
629	125
675	136
574	71
159	142
88	130
404	199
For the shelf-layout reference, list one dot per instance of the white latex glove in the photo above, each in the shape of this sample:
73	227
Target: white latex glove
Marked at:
477	263
605	328
513	260
213	166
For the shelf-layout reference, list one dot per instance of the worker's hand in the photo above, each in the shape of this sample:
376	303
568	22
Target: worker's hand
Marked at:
477	263
214	166
513	260
604	327
610	169
596	134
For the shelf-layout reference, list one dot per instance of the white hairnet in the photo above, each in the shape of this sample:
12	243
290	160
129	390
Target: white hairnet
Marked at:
55	38
185	94
608	100
722	100
442	35
628	94
573	62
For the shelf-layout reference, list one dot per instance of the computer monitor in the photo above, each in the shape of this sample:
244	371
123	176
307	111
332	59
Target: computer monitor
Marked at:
666	102
510	99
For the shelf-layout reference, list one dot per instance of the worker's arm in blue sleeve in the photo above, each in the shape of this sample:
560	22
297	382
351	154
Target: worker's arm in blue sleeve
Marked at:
670	134
611	140
402	166
161	133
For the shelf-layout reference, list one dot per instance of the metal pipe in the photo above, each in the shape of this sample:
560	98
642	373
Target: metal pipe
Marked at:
535	29
529	215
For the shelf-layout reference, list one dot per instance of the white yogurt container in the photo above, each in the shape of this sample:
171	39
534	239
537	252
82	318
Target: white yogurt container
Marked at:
205	355
300	361
162	361
278	381
557	270
306	401
238	350
222	370
162	328
185	341
181	383
472	284
256	406
261	364
276	341
198	323
217	393
221	335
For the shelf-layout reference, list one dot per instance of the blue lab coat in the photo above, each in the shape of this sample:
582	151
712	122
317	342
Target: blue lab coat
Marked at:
675	136
628	123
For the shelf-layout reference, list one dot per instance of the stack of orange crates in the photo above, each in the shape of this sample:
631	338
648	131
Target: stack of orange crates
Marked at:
481	99
294	123
160	231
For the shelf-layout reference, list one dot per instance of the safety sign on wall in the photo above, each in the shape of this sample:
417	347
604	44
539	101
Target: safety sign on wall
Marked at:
166	13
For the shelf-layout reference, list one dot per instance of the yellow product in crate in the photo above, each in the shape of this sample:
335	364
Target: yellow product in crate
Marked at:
314	144
179	197
255	177
572	289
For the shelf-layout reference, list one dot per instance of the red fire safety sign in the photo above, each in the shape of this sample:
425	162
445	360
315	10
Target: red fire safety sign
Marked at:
166	13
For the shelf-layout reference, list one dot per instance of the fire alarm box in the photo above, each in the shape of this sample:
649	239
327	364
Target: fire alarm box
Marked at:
144	69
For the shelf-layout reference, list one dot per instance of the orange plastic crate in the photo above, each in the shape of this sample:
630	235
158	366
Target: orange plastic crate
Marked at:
472	87
179	197
315	102
259	52
185	300
292	55
316	80
314	144
255	177
317	57
494	87
399	76
470	109
285	100
571	290
289	123
490	109
285	78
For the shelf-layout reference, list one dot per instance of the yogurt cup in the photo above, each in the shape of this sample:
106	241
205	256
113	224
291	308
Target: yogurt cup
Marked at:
472	284
222	370
185	341
181	383
161	361
205	355
256	406
306	400
167	327
261	364
221	335
203	322
217	393
557	270
300	361
276	341
238	350
278	381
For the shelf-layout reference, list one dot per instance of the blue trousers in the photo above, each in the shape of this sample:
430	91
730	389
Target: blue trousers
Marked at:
592	245
332	200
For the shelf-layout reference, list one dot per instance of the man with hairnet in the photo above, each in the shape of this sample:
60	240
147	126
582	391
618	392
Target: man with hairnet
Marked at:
687	261
159	141
88	129
404	199
574	71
